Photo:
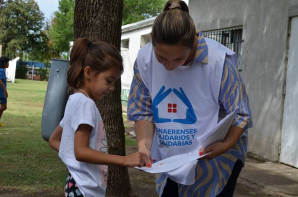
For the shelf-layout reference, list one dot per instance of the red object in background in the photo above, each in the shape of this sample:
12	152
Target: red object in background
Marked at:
172	108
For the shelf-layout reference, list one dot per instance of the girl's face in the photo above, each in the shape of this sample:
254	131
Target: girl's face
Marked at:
6	65
171	56
103	83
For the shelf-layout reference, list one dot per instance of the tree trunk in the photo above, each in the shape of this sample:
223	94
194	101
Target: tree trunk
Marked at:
100	20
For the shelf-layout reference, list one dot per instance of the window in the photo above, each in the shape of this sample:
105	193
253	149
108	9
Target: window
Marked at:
172	108
145	39
125	43
231	38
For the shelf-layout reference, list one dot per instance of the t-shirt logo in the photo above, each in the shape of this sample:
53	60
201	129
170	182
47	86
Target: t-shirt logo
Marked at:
174	110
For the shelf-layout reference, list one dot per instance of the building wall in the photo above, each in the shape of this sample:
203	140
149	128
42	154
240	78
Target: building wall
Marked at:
129	56
263	59
135	40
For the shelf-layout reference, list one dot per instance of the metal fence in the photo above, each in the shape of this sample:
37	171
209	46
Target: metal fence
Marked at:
231	38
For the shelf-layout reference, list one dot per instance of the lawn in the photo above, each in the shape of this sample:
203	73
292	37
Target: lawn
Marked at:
28	164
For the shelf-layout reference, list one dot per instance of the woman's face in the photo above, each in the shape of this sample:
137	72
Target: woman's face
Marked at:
171	56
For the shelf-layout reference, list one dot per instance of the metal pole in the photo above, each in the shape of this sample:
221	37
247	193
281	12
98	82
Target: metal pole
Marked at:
32	70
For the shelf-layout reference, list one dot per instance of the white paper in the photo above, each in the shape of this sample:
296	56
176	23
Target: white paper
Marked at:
185	174
219	132
171	163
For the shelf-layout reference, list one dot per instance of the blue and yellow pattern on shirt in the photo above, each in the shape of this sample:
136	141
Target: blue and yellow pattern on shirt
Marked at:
211	175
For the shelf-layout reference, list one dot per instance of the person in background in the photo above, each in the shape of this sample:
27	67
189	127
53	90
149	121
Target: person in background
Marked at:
80	138
4	63
183	85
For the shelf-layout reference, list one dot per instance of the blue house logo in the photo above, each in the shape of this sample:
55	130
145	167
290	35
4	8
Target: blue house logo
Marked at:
172	108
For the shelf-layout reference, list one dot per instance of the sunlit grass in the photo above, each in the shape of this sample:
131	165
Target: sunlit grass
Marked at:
27	163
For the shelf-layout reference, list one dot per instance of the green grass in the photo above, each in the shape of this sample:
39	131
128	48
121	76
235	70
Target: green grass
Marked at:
27	163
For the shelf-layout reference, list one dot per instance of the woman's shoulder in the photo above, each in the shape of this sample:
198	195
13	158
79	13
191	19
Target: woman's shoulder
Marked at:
145	56
146	50
214	45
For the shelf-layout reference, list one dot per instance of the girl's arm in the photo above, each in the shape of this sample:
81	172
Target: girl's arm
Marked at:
55	138
84	153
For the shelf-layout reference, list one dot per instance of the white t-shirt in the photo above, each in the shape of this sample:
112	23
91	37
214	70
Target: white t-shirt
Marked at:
90	178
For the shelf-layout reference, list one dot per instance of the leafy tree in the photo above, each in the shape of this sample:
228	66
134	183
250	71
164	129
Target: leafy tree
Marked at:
42	52
61	31
61	27
101	20
44	74
21	23
137	10
21	72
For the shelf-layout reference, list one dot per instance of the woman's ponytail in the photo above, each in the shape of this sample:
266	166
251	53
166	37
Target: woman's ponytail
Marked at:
174	25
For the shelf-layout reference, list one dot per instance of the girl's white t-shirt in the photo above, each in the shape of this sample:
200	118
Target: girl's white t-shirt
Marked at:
90	178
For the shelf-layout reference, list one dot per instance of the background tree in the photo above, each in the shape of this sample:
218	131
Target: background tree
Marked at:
101	20
61	29
21	25
61	26
137	10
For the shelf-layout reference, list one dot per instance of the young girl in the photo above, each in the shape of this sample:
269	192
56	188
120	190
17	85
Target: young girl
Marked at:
4	63
183	85
80	138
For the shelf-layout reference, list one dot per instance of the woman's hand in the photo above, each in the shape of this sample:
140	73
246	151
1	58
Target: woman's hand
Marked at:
144	149
135	159
219	148
216	149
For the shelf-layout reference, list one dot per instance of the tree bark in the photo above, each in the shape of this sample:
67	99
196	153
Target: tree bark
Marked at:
100	20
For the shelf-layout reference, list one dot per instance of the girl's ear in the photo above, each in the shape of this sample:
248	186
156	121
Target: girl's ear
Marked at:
87	72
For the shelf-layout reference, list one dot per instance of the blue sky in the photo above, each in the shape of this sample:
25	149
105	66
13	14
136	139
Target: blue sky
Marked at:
48	7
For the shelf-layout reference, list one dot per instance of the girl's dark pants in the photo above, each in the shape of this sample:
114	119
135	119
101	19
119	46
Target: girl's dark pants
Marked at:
171	188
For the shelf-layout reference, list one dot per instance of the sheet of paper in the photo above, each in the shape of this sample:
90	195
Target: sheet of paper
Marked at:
171	163
219	132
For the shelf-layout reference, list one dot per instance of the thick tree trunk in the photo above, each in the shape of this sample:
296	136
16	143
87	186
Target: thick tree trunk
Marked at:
100	20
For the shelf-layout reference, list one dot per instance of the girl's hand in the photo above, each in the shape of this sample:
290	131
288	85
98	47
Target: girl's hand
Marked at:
135	159
5	93
215	149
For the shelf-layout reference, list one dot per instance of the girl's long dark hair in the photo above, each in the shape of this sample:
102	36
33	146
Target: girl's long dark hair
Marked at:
100	56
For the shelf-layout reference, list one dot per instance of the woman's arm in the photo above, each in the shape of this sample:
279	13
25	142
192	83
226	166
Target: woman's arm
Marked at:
139	110
84	153
219	148
232	97
144	132
55	138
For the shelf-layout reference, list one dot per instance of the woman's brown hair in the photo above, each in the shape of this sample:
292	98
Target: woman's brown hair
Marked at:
99	56
174	25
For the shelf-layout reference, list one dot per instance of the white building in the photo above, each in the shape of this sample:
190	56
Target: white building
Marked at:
265	33
134	36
